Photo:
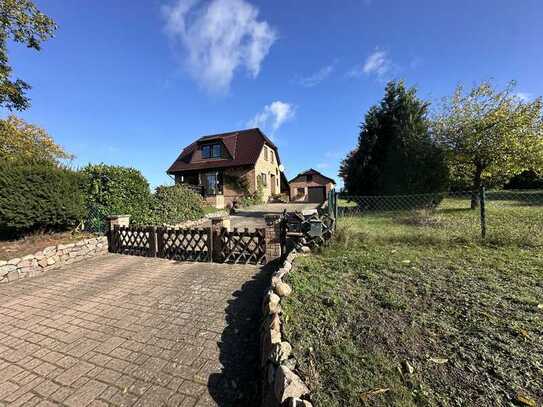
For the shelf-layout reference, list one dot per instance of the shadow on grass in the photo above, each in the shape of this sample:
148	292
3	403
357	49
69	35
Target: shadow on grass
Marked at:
238	382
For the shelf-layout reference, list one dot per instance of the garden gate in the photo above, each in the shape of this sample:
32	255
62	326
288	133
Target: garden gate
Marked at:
203	245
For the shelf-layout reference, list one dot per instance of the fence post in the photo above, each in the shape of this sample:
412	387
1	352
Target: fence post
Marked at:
160	241
113	238
217	224
210	245
152	241
335	205
482	198
113	223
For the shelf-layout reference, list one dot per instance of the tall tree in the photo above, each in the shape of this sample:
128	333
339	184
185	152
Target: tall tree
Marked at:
395	153
490	134
21	141
22	22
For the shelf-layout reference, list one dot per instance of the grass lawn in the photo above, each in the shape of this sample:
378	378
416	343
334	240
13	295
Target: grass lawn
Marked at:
412	309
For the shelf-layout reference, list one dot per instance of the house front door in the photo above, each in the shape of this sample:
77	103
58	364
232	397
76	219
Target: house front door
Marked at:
273	183
210	183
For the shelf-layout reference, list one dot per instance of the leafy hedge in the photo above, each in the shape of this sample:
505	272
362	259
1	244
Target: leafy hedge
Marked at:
38	196
175	204
117	190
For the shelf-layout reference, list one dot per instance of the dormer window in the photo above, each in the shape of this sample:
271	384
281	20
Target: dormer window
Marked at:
211	151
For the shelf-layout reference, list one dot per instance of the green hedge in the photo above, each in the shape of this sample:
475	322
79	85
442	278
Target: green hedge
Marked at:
175	204
115	190
38	196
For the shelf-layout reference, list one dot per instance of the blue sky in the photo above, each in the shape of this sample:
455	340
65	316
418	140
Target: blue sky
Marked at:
133	82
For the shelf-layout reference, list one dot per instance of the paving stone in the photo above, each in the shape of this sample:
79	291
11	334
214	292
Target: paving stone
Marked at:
120	330
85	394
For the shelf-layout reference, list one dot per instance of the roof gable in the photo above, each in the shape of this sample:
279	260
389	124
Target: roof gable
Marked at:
311	171
243	148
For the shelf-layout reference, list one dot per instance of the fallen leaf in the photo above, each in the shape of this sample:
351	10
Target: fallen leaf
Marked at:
406	261
540	306
525	400
369	394
439	360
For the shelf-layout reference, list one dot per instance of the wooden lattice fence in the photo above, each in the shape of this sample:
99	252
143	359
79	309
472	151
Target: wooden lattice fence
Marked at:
133	240
239	247
185	244
242	246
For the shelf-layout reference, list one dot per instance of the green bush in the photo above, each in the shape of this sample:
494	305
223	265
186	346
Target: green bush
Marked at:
249	199
175	204
38	196
115	190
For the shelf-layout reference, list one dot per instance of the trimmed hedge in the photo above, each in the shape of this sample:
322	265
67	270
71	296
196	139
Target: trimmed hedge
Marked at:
117	190
175	204
38	196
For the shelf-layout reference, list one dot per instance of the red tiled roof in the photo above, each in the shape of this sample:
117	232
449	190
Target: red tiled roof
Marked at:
243	148
311	171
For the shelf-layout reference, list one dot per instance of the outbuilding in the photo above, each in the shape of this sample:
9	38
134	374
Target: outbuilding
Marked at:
310	186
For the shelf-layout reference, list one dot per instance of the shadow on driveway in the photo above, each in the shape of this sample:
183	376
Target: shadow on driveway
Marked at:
237	384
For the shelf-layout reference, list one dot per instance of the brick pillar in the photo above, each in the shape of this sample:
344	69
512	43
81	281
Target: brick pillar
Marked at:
217	223
273	237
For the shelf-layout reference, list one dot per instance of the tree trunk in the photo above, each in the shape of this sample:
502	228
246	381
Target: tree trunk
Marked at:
477	183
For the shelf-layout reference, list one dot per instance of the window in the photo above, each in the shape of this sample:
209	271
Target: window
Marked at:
211	151
309	178
216	151
265	153
271	155
264	178
206	151
300	191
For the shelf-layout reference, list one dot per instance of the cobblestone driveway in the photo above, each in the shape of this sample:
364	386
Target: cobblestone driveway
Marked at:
126	330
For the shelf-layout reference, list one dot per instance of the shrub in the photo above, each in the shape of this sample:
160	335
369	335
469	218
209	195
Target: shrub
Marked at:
115	190
38	196
525	180
252	199
175	204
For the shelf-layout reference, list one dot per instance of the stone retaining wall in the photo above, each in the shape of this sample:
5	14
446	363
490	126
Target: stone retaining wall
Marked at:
51	257
281	386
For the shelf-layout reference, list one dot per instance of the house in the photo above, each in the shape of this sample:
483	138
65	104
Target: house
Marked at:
225	167
310	186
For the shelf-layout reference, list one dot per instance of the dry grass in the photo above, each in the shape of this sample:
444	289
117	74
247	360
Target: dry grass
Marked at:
33	243
404	290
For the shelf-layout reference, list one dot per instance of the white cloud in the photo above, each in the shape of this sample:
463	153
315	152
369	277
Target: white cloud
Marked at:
377	63
273	116
317	77
219	37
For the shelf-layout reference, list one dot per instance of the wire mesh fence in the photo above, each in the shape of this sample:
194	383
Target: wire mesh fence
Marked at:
496	216
95	221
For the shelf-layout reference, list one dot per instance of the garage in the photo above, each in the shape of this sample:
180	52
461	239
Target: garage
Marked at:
316	194
310	186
